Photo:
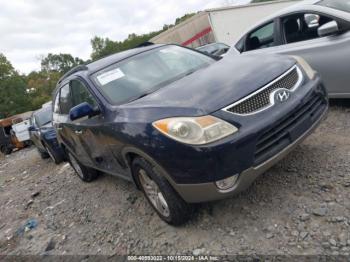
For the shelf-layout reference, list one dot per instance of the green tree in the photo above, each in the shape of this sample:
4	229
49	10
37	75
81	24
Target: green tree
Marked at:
183	18
102	47
61	63
40	86
13	94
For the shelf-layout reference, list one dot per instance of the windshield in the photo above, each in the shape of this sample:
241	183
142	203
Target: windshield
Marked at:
43	117
209	48
147	72
342	5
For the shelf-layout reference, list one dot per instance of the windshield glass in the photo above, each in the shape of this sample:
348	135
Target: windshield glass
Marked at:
43	116
147	72
342	5
210	49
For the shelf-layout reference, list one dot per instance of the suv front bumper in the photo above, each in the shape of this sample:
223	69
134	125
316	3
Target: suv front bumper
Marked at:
194	193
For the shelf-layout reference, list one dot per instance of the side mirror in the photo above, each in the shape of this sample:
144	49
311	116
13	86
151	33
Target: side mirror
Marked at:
330	28
31	128
82	110
312	20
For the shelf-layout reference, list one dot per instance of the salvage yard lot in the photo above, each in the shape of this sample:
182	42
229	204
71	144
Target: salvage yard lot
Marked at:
301	206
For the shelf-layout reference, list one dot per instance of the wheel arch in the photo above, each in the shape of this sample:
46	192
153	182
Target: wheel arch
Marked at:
129	154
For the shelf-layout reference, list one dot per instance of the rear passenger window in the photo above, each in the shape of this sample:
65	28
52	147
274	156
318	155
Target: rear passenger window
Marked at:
81	94
65	100
56	105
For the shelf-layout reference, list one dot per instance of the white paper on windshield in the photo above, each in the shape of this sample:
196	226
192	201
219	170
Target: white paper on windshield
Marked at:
110	76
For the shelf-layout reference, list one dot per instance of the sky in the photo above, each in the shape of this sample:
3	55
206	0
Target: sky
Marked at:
30	29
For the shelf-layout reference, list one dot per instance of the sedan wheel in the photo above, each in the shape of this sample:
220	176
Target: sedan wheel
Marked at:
153	193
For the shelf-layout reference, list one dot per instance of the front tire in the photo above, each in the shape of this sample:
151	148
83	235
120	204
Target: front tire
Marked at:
84	173
163	198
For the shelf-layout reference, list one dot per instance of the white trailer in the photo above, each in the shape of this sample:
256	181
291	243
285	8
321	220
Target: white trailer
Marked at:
223	25
21	130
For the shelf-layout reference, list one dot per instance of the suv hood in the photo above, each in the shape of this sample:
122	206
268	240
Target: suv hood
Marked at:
218	85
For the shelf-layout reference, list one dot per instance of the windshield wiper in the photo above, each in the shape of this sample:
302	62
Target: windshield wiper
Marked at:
140	96
190	72
46	123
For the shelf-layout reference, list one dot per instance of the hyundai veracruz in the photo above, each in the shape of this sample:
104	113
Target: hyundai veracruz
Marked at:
184	127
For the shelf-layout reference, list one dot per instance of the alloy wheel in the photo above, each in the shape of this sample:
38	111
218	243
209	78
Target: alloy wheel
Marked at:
153	193
76	166
50	154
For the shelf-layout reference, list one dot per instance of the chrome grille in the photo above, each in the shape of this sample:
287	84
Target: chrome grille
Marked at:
262	99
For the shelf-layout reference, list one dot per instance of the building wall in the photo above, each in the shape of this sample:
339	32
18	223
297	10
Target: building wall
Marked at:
229	24
193	32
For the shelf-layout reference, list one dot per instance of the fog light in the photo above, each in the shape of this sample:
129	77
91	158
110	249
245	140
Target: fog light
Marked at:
226	183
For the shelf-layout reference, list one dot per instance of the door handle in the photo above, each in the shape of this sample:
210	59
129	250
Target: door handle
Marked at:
59	128
78	132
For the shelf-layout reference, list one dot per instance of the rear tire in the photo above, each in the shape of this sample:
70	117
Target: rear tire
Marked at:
84	173
43	155
162	197
55	156
28	143
5	150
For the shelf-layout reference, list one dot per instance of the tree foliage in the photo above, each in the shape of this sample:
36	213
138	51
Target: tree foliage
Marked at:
40	86
13	96
21	93
59	63
102	47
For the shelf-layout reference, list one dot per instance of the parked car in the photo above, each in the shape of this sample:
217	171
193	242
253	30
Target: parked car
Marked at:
184	127
217	49
316	30
43	135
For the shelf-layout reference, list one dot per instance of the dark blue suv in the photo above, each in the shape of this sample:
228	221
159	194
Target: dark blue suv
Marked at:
183	126
43	135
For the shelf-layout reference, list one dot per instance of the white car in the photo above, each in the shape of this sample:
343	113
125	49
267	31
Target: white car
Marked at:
317	30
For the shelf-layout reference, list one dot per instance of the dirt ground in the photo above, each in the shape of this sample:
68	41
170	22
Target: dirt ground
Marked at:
301	206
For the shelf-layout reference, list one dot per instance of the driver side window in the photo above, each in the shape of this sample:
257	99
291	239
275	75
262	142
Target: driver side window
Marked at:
65	102
81	94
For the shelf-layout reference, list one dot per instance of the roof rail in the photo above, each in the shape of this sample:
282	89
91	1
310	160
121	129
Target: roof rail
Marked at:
72	71
147	43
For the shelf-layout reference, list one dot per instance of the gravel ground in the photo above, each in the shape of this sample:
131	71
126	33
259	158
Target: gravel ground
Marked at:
301	206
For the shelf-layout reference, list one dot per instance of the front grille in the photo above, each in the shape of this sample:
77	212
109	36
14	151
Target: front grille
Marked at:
261	99
278	137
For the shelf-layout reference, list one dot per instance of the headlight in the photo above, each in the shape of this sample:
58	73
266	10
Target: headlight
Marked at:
305	65
195	130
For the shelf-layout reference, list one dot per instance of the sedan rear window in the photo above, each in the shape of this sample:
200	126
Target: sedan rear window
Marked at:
147	72
342	5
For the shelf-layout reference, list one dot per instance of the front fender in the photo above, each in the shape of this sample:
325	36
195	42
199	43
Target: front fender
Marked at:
129	151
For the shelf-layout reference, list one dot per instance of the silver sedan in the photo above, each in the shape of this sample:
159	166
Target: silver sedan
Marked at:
317	30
